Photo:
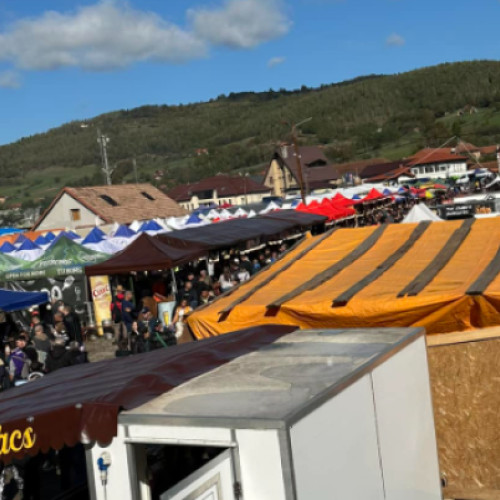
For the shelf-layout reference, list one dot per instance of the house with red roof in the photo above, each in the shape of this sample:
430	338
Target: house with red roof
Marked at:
437	163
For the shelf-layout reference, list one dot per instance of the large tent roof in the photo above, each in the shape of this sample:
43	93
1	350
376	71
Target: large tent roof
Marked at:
235	231
86	399
146	253
443	276
16	301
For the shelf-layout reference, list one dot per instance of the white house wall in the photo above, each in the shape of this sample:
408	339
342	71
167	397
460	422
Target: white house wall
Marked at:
441	170
59	216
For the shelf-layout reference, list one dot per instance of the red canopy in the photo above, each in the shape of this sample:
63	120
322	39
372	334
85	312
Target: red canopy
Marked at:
373	195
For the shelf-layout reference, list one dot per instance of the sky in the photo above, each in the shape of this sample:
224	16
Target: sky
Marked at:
64	60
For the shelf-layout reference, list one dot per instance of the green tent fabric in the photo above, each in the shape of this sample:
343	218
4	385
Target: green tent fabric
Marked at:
64	257
7	263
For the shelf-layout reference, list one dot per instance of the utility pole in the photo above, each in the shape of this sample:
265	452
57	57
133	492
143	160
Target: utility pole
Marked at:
102	140
134	164
295	143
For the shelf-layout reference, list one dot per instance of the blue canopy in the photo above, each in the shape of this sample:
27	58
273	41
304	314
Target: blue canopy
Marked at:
387	192
9	230
95	236
20	239
27	244
71	235
124	232
356	197
42	240
16	301
150	225
194	219
50	236
7	247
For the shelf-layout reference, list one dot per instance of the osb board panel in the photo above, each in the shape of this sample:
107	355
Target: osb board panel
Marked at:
454	494
465	381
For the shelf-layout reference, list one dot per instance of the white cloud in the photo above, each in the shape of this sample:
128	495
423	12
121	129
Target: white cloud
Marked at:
275	61
395	40
101	36
10	80
241	24
111	34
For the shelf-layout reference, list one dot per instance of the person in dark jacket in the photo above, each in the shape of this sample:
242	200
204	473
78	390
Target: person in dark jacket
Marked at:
76	354
123	349
72	325
58	357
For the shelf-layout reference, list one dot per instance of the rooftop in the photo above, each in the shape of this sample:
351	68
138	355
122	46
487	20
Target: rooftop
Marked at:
428	156
122	203
225	185
271	386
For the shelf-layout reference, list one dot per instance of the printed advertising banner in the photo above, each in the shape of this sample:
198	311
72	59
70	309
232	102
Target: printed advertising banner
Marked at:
102	298
70	289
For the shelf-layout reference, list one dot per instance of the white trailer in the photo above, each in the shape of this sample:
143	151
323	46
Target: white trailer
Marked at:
317	415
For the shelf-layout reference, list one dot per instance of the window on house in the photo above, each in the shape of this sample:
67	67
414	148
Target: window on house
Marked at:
147	195
75	214
108	200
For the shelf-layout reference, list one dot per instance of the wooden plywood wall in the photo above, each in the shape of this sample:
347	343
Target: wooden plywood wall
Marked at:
465	380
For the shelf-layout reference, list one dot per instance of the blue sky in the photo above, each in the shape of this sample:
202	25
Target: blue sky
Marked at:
62	60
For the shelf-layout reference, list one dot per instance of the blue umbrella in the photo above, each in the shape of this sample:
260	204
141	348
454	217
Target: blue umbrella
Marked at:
16	301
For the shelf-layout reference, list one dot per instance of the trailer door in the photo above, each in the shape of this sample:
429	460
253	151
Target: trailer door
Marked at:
214	481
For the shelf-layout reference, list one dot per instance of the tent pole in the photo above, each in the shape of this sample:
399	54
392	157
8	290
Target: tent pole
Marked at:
174	282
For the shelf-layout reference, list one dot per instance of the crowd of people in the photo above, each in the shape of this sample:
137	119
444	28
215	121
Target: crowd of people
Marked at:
48	344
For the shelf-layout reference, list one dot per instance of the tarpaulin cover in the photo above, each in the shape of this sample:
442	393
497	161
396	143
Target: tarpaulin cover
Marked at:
17	301
63	257
454	278
146	253
94	236
87	398
235	231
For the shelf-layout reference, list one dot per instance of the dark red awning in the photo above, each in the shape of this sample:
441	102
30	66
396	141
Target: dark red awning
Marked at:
55	410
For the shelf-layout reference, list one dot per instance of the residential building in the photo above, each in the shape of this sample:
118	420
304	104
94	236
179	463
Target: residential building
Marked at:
437	163
282	174
75	208
219	190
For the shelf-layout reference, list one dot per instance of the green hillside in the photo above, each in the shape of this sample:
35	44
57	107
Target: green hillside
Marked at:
373	116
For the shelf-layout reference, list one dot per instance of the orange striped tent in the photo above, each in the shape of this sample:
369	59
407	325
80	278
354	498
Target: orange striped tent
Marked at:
444	276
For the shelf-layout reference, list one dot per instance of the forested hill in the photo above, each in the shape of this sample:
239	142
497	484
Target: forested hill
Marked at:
388	116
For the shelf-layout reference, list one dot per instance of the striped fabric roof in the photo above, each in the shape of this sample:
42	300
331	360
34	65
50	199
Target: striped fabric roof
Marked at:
443	276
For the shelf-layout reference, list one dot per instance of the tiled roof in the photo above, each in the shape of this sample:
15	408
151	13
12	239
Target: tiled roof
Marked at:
365	168
438	155
488	150
225	185
392	174
122	203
